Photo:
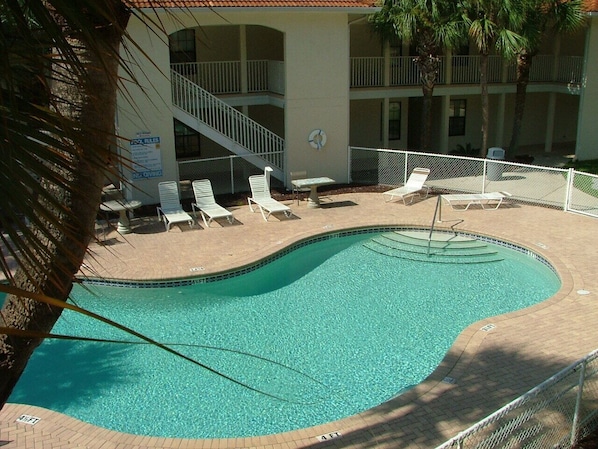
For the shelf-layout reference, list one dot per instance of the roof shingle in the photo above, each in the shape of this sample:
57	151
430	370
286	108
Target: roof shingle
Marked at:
252	3
591	5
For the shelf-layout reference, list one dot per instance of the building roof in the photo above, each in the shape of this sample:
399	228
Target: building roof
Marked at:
252	3
591	5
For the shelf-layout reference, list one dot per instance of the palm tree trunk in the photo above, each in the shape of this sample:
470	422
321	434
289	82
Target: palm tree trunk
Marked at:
485	101
428	66
53	272
524	62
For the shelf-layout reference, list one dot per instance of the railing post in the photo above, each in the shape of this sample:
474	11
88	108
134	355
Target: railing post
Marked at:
349	161
569	189
484	176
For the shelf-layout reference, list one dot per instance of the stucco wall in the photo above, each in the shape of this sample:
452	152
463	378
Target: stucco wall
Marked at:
587	131
316	53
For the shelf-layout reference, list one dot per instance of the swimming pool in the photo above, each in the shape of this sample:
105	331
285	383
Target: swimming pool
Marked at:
335	328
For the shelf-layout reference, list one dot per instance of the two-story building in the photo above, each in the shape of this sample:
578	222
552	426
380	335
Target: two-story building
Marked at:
238	85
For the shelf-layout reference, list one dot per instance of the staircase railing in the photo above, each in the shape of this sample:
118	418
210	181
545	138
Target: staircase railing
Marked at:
438	213
225	119
432	225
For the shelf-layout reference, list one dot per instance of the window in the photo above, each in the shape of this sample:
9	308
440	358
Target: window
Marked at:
457	117
186	141
394	120
182	46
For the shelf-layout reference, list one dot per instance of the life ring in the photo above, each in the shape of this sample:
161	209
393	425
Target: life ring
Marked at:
317	139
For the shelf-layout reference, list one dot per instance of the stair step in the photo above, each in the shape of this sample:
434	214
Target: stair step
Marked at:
438	239
440	243
449	251
433	257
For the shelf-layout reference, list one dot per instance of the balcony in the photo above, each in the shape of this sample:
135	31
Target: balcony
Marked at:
263	76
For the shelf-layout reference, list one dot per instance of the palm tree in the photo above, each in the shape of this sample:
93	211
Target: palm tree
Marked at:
59	77
432	26
542	15
492	26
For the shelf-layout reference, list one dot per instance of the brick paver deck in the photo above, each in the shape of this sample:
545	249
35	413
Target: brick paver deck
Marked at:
489	368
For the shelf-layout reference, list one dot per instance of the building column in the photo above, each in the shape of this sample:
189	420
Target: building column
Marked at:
385	114
550	114
587	131
500	122
444	124
446	105
243	62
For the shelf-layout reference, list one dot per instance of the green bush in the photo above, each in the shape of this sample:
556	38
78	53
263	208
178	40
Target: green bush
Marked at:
590	166
466	150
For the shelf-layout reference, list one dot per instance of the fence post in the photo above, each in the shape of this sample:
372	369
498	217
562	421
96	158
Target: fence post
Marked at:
569	189
349	156
483	189
576	419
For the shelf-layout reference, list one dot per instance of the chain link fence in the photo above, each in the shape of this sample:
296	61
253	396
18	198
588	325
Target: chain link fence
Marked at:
555	414
547	186
227	174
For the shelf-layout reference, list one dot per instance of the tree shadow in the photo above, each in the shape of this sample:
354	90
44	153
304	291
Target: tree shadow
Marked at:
442	406
63	373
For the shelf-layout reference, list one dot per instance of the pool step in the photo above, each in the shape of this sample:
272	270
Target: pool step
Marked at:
442	247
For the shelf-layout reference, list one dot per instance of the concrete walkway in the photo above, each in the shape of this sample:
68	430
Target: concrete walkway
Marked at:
490	368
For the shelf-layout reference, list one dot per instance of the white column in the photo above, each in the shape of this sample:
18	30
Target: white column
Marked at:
385	108
550	114
243	62
444	124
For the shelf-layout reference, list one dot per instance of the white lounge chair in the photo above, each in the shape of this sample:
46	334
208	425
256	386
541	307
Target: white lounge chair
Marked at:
462	201
260	195
206	204
170	210
414	185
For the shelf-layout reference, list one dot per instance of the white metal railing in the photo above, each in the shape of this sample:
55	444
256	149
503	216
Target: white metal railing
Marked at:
225	77
367	72
570	69
221	77
403	71
555	414
226	120
228	174
547	186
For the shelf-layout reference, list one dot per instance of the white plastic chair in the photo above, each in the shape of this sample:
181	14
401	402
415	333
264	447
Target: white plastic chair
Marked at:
414	185
170	210
206	203
260	195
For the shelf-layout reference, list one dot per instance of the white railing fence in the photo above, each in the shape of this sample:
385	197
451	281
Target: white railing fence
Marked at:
225	119
226	77
228	174
555	414
546	186
403	71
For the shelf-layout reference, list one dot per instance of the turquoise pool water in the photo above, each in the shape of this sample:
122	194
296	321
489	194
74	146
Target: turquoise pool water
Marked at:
334	327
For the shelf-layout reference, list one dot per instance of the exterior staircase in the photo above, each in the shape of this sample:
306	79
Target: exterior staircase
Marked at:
442	248
200	110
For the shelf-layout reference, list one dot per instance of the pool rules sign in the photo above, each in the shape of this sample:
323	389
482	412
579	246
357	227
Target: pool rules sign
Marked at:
147	157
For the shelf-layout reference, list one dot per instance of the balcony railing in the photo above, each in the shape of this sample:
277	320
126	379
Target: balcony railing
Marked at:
225	77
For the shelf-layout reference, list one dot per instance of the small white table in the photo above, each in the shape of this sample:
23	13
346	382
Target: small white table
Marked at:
122	207
313	200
